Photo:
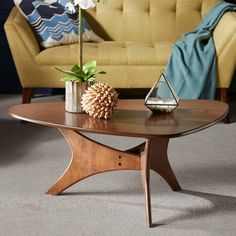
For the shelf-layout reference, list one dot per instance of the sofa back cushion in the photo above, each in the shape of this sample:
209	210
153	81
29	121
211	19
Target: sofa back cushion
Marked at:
52	24
148	20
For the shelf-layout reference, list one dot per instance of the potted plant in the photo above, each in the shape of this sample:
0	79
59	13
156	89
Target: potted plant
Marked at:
76	83
79	76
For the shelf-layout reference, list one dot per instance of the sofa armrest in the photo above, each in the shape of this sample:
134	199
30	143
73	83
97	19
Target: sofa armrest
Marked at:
224	37
20	36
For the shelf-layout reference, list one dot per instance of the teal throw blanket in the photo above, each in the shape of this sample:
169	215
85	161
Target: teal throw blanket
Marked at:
191	69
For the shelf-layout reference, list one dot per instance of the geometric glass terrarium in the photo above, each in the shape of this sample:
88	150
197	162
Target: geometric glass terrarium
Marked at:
161	97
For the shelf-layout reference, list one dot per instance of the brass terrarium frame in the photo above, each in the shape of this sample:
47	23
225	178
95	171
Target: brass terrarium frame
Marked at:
162	103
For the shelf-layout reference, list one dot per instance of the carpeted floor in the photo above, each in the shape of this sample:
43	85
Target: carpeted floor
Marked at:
32	157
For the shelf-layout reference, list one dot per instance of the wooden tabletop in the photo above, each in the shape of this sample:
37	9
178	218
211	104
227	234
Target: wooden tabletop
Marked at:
131	118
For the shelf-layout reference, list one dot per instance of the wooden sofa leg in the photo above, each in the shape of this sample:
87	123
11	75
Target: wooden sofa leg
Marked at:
28	93
223	97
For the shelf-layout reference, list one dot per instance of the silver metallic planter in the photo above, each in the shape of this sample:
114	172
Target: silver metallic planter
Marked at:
74	92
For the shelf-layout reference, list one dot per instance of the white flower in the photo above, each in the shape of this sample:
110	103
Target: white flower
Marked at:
85	4
70	8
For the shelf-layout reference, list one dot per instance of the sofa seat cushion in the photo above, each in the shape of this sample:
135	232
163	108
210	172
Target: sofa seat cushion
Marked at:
109	53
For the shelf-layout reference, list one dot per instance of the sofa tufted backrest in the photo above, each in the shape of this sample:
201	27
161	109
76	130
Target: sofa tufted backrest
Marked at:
148	20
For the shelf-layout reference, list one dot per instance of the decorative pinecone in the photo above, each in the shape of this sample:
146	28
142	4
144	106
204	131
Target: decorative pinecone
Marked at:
100	100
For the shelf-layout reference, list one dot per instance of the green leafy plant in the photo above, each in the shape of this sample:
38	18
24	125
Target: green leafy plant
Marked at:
85	74
82	74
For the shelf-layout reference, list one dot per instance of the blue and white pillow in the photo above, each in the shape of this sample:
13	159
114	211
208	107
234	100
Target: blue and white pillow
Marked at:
52	24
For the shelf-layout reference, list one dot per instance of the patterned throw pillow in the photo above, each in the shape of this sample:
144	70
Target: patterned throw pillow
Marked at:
51	23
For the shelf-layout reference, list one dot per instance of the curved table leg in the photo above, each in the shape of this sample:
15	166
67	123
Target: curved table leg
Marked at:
160	163
155	157
145	175
89	158
159	160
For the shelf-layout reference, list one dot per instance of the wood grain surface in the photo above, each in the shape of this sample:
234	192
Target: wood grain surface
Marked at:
131	118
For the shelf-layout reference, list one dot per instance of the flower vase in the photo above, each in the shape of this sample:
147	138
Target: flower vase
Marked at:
74	93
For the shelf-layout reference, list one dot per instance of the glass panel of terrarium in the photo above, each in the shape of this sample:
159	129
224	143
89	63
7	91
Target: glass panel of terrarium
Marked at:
161	97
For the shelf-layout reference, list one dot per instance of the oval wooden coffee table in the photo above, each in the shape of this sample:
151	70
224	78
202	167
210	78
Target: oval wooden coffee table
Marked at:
131	119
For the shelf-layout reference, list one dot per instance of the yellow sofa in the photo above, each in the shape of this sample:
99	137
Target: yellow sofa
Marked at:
138	38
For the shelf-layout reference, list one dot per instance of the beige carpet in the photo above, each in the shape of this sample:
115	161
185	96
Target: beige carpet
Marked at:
32	157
